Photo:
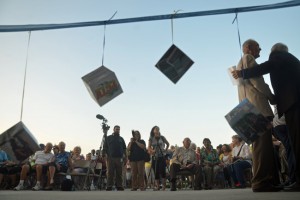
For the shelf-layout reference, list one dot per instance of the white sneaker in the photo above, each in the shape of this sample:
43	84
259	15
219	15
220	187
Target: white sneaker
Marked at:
36	187
19	187
92	187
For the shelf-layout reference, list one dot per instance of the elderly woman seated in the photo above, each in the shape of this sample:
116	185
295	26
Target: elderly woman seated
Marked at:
76	155
210	161
241	160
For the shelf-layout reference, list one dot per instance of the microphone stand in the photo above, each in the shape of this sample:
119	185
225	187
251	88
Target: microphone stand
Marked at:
105	129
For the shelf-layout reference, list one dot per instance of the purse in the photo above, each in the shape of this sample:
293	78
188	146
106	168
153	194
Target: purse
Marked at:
235	158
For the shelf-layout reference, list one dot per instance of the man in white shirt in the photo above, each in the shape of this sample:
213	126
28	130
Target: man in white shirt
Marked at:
184	158
42	162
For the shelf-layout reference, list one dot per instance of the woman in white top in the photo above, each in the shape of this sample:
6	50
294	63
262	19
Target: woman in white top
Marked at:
241	160
225	161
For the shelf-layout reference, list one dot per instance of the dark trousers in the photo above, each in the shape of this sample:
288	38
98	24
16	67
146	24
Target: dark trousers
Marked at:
159	167
277	166
114	172
281	133
292	118
227	175
236	171
196	169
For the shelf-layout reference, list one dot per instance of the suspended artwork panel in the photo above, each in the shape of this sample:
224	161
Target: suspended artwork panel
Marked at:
174	63
102	85
18	142
247	121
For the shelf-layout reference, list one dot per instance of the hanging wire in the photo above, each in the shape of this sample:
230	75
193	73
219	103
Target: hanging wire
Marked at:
24	83
173	15
238	31
240	44
103	47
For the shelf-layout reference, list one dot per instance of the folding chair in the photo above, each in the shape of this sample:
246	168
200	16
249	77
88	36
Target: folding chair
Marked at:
101	176
83	175
185	174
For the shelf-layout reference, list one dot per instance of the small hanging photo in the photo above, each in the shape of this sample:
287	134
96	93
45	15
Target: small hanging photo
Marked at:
102	84
18	143
174	63
247	121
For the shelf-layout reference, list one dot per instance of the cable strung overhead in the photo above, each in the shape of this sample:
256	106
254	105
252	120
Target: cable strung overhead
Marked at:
39	27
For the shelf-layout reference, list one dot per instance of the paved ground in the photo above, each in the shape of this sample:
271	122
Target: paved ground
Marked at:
226	194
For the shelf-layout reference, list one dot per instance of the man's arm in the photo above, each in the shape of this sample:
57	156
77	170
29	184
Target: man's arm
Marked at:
175	156
258	70
257	82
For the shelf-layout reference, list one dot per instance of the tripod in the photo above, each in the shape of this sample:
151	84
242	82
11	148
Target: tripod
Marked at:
93	163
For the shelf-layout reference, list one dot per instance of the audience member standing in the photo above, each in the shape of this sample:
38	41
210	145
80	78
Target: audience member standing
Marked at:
137	148
158	146
114	149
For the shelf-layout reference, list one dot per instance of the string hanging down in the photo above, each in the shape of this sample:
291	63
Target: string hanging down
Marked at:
38	27
103	47
238	31
240	44
24	83
172	27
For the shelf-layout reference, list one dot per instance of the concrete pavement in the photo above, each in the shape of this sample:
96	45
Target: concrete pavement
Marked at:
221	194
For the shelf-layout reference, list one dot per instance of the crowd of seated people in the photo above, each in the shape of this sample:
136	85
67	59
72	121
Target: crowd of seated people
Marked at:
39	170
206	164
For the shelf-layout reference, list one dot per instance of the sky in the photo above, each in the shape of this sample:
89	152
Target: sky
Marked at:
57	105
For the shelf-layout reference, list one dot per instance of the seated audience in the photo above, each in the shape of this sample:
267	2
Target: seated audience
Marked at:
3	162
225	161
184	158
63	159
241	160
76	155
210	162
55	150
42	162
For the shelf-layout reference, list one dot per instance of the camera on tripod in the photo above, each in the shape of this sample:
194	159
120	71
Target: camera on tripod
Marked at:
105	127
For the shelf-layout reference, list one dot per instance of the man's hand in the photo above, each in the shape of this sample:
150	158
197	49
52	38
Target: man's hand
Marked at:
190	166
236	74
